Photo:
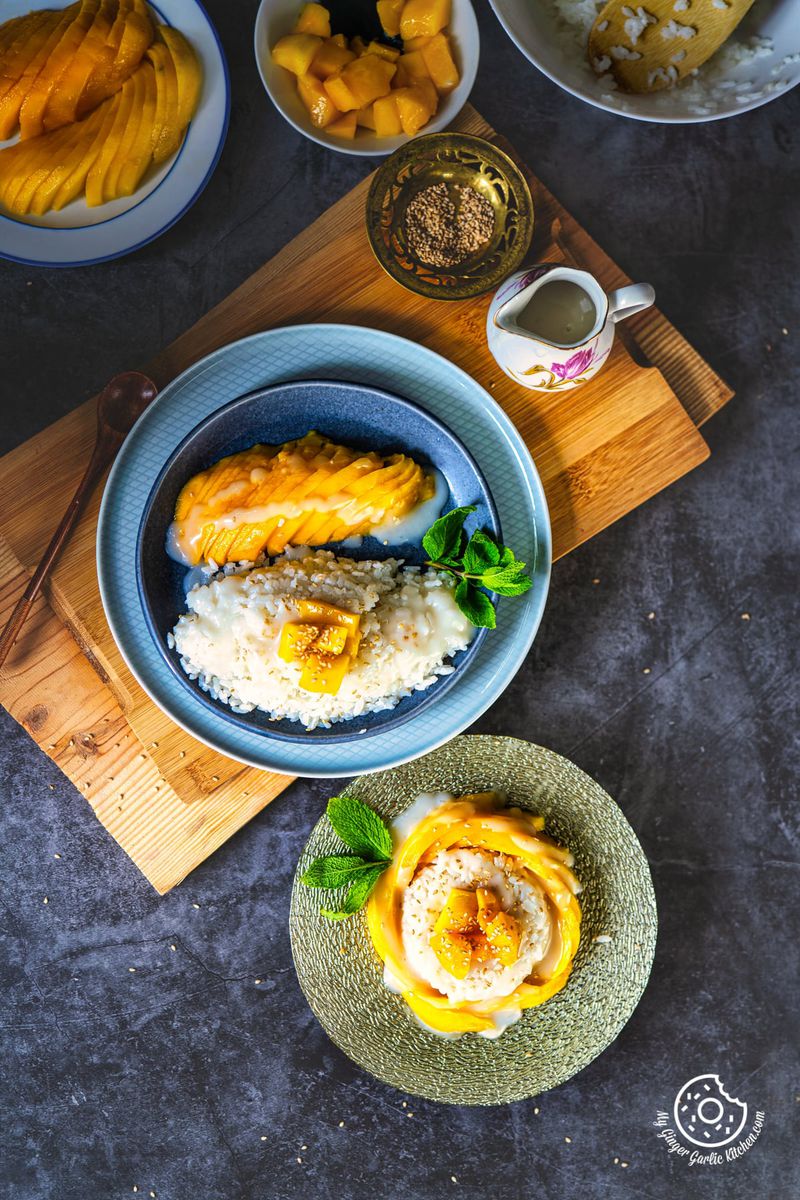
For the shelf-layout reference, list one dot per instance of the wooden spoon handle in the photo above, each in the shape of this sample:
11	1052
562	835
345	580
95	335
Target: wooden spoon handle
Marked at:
25	602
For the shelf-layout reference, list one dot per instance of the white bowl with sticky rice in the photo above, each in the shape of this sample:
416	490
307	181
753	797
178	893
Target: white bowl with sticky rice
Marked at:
758	63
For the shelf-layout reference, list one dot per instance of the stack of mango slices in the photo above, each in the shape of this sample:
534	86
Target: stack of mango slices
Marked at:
377	86
472	928
98	92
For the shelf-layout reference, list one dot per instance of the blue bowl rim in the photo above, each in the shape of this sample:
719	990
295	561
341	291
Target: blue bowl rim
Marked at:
224	712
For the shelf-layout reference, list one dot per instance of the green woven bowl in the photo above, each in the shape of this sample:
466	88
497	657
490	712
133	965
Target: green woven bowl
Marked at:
340	972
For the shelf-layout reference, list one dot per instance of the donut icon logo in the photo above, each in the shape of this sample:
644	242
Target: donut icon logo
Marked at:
706	1115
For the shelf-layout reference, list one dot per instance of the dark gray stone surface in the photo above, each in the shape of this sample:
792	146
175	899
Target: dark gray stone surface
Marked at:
184	1078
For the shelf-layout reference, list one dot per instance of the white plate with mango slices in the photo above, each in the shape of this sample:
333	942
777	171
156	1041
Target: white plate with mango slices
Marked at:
368	96
113	122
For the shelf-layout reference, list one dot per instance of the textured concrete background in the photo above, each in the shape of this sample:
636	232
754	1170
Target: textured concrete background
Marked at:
188	1080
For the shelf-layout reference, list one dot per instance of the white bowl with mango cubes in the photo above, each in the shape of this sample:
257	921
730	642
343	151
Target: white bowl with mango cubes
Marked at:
422	88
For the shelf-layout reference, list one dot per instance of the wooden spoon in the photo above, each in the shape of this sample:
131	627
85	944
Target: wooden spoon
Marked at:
653	45
121	402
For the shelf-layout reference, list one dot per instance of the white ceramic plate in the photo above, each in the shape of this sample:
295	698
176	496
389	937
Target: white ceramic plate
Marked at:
78	235
534	30
276	18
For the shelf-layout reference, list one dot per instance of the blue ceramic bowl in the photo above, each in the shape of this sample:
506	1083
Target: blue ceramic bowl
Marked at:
348	413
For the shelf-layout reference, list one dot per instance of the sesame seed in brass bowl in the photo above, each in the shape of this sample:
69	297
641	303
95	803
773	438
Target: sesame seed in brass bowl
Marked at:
449	216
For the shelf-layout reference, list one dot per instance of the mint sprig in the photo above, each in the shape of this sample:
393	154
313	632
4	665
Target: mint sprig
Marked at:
363	831
477	562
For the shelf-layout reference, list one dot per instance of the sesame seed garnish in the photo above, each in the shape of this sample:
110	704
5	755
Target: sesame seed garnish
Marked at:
568	1141
453	1179
263	1137
405	1104
299	1159
651	616
536	1112
595	581
182	754
256	981
173	946
132	970
745	616
341	1124
616	1160
45	900
304	1147
785	331
623	1164
56	856
646	671
195	905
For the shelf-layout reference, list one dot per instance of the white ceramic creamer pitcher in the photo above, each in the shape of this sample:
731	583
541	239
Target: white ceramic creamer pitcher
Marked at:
550	366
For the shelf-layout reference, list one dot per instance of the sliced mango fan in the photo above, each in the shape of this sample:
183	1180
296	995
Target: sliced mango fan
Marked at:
99	93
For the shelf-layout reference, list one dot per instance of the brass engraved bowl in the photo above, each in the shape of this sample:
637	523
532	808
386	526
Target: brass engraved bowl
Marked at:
450	158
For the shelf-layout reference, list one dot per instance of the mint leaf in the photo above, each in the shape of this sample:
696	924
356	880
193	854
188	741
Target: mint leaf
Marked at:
481	553
507	557
360	827
357	895
475	605
510	587
334	871
507	581
443	539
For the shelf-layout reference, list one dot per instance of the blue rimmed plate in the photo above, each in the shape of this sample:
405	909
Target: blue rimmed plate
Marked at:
357	355
78	235
367	418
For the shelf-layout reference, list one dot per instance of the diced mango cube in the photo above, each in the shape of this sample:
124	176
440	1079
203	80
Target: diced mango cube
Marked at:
454	952
340	40
389	16
415	66
336	87
424	18
439	61
482	950
296	641
488	907
414	106
387	118
368	78
383	51
332	639
358	46
401	76
324	673
321	613
330	58
320	107
366	116
345	127
504	934
459	912
314	18
415	43
296	52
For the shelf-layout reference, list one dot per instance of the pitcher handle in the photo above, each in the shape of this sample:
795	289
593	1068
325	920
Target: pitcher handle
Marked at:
626	301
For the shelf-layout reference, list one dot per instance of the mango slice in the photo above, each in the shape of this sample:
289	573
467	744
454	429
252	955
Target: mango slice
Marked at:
503	934
27	67
389	16
345	126
439	62
330	58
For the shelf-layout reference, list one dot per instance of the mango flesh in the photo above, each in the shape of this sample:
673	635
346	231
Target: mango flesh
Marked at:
454	952
459	913
306	492
424	18
94	112
314	18
405	86
324	643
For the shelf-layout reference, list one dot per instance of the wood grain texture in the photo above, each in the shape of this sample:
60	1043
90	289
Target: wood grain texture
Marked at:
601	451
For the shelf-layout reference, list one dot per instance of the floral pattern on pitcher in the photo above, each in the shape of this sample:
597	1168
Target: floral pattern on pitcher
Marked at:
570	373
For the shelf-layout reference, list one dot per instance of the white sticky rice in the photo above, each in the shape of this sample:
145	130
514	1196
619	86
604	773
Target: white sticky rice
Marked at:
228	639
425	897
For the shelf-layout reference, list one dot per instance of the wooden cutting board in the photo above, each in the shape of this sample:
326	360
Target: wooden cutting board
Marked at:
601	451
